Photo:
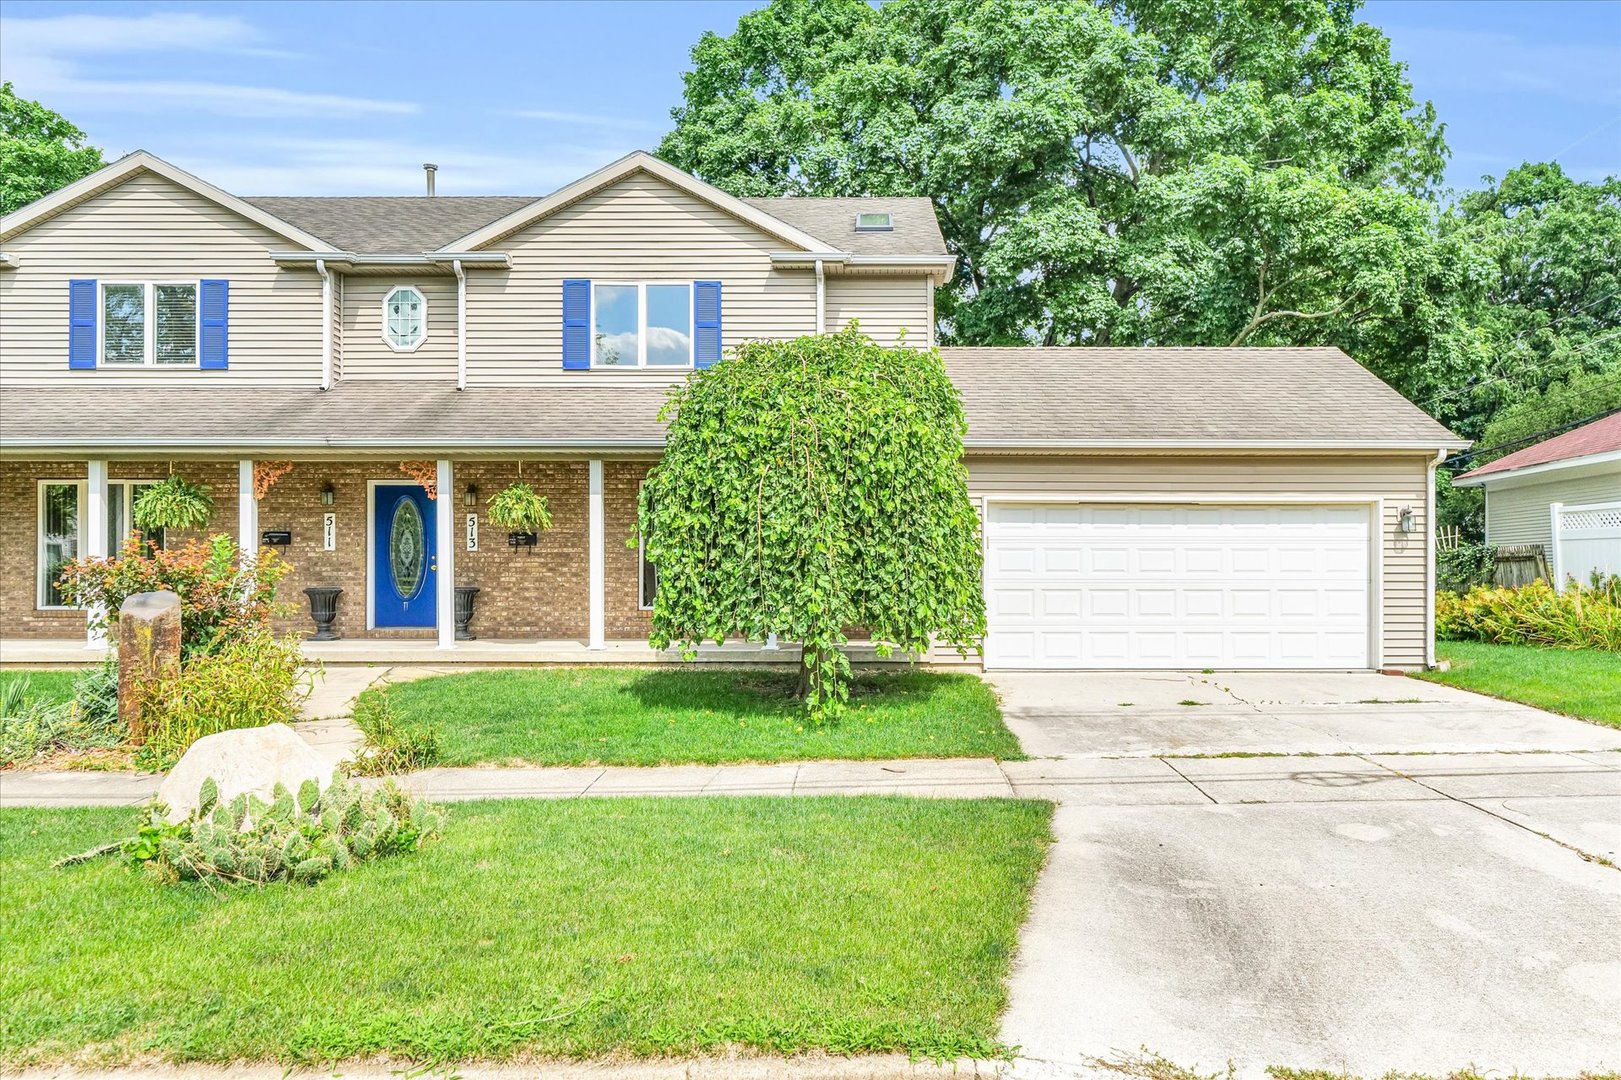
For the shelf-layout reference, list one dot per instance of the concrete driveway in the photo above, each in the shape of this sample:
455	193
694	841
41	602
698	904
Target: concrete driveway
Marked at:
1381	907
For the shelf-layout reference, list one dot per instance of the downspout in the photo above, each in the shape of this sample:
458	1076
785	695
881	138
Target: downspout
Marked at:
821	298
461	324
326	323
1429	564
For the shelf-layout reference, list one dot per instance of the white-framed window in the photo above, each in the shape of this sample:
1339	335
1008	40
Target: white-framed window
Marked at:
61	529
641	324
874	221
147	323
405	318
647	575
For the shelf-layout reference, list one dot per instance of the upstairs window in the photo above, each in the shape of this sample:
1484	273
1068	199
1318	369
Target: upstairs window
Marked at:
405	319
145	324
641	325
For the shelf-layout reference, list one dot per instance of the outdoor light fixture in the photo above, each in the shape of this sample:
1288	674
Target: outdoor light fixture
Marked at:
470	496
1405	521
328	495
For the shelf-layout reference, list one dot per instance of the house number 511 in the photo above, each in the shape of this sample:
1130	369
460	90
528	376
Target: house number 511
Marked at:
329	532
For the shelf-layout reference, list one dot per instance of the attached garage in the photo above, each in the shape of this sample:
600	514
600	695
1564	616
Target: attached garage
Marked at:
1121	585
1199	508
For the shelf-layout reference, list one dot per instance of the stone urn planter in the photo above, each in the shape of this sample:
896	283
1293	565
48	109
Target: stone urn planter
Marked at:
324	609
465	595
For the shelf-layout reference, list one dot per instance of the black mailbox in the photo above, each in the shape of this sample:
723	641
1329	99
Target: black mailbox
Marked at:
275	538
521	539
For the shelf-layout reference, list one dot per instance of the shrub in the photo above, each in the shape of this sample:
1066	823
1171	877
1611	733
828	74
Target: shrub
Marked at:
300	838
1461	568
248	680
221	591
95	693
32	728
390	747
1580	617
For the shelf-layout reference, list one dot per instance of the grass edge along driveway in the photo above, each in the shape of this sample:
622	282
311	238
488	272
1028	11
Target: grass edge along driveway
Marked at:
1582	683
642	927
680	716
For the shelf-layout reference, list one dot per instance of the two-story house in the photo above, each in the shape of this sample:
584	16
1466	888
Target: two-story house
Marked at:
410	357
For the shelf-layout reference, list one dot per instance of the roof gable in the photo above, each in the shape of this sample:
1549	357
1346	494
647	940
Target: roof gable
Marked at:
630	165
134	164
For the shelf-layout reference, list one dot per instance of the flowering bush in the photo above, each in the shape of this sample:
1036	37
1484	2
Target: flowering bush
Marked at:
1580	617
221	591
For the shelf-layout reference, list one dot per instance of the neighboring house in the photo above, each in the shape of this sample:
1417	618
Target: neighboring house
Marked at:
1151	507
1562	494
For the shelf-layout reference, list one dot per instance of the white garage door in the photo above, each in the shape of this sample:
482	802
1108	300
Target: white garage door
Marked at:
1117	586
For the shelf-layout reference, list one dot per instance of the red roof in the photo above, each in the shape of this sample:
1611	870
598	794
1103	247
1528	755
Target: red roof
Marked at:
1600	437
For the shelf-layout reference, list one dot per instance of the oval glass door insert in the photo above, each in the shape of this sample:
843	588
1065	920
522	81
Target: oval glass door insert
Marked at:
407	549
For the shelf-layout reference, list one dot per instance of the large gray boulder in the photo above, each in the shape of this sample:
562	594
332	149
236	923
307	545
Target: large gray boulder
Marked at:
245	761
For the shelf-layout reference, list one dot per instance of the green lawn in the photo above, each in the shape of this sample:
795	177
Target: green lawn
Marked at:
1582	683
556	928
50	685
638	716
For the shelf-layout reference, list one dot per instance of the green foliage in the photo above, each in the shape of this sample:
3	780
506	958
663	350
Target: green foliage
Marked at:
517	508
173	504
391	746
1459	569
34	726
1142	172
221	591
1522	422
299	837
812	485
40	151
95	693
247	680
1580	617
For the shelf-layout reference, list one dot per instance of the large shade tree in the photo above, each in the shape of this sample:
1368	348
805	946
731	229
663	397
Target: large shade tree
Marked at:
1136	172
40	151
809	487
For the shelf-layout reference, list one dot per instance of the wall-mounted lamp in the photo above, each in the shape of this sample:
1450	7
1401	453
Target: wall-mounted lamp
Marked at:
1405	521
328	495
470	496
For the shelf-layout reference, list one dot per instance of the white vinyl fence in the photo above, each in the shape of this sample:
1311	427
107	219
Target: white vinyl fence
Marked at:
1585	539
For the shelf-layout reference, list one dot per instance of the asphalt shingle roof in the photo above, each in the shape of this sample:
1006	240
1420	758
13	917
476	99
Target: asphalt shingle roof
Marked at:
916	229
1601	436
390	225
1014	398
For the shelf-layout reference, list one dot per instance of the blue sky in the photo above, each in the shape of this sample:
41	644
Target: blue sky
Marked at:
306	98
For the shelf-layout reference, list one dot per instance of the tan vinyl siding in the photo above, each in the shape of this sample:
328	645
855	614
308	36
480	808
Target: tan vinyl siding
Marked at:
1399	481
150	229
639	230
367	356
884	306
1519	514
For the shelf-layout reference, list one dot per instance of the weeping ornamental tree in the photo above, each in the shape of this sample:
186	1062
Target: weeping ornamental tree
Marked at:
810	487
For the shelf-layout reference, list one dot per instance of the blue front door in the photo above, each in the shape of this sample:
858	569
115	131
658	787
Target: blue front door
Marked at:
404	560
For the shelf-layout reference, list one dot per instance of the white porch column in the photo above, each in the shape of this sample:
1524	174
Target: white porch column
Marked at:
598	534
95	528
444	519
247	510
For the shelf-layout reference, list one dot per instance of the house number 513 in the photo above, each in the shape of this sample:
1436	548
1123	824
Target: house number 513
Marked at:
472	532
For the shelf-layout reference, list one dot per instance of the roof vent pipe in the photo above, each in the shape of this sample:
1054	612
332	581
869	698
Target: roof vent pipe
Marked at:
430	169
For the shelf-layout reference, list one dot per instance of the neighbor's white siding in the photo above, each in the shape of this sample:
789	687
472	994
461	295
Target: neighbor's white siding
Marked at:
150	229
1518	514
1399	481
367	356
640	229
886	307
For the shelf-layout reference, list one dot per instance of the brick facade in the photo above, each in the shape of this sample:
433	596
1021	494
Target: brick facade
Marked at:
537	593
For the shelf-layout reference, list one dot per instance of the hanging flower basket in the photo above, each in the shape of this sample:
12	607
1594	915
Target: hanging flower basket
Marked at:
173	504
518	509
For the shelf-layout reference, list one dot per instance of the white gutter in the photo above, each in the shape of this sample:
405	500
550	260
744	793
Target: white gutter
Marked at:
1204	444
1429	562
473	259
461	324
326	323
319	442
1539	469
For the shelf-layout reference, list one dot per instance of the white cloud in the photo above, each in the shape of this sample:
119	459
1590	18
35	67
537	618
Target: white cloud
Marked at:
46	57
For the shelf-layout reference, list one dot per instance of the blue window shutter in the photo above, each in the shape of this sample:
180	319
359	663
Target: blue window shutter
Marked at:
82	324
576	324
213	325
706	320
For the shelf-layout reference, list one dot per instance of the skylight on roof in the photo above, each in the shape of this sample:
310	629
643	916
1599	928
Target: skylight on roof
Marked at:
875	221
